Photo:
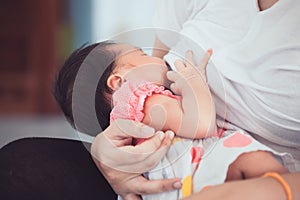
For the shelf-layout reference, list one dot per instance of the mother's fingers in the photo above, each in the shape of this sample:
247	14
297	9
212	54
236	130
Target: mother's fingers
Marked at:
152	159
132	196
203	64
205	59
146	156
179	65
154	143
144	186
129	128
173	76
127	158
189	56
175	89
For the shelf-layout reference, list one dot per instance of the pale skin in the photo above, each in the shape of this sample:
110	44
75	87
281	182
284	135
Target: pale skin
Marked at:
249	189
183	115
188	80
138	158
121	163
134	184
257	188
120	174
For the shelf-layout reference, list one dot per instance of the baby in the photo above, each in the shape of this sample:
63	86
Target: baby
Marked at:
136	84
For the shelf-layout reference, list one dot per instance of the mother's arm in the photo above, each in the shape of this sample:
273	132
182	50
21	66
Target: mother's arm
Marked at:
249	189
122	164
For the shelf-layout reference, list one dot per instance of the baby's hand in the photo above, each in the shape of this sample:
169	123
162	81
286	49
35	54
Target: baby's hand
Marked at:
188	73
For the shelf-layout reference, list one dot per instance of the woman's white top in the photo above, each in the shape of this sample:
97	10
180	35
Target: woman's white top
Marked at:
254	72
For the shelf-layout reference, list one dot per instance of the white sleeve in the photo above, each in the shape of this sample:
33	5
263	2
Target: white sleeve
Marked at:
172	14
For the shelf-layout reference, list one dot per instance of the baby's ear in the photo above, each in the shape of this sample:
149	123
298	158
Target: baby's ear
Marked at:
114	81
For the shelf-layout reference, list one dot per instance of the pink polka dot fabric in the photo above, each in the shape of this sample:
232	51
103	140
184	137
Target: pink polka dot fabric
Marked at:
237	140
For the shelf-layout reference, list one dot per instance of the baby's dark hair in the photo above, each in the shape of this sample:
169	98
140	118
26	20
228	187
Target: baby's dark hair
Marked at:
65	80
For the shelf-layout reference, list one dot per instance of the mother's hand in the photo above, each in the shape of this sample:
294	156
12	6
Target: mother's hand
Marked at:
122	164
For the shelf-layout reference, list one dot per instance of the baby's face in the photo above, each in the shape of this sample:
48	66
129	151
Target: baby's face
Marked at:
133	63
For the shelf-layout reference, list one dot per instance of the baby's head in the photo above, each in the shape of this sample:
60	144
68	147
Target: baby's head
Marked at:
120	62
132	63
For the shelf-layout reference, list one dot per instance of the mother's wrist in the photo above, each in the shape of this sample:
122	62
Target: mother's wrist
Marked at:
280	181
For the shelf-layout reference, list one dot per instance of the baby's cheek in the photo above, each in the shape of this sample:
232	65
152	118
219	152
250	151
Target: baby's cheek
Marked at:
156	117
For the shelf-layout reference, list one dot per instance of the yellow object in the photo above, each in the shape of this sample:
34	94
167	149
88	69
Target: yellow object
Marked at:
187	186
176	139
284	184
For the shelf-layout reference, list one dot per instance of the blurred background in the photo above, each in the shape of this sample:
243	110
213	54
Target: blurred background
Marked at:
36	36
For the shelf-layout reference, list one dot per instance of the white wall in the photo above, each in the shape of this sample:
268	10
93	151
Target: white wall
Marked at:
111	17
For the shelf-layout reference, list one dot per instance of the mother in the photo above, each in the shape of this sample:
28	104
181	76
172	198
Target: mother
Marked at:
257	55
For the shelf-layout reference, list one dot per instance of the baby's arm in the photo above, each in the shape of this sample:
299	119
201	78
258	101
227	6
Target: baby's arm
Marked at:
162	112
193	116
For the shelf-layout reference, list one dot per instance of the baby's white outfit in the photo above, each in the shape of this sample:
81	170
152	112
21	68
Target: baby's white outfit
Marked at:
204	162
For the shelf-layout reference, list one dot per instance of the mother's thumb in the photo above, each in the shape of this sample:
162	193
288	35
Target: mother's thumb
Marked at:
134	128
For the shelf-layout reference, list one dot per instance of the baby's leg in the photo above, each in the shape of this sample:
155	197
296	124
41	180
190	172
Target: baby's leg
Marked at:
253	164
